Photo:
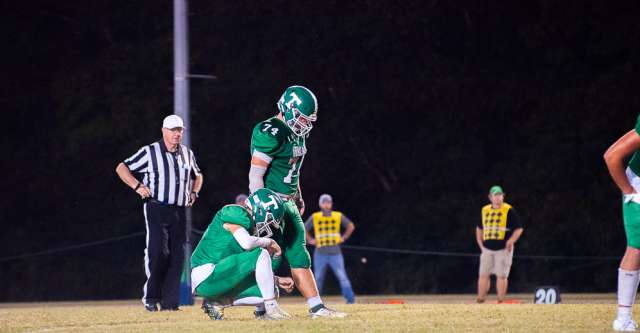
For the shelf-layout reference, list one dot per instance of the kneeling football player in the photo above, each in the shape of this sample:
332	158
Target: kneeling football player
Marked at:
234	262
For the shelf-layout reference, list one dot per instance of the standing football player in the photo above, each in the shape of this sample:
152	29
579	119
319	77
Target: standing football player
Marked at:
232	264
277	152
627	177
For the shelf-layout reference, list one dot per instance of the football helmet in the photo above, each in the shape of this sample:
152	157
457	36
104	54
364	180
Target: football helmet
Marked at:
267	210
299	108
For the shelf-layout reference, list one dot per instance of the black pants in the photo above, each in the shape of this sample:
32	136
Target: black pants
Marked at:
164	254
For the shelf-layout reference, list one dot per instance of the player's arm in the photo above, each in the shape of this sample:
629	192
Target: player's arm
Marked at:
259	165
248	242
614	158
265	144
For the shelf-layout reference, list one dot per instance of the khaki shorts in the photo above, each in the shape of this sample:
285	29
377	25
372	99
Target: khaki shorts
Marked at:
497	263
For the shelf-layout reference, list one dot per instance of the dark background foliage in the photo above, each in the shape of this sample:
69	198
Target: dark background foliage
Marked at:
423	106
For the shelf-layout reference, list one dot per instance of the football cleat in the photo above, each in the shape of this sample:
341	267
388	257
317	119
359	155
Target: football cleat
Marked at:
625	325
321	311
151	307
275	313
214	310
259	314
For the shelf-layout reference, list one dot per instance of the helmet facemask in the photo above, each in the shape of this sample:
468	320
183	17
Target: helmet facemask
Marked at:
266	210
263	228
299	124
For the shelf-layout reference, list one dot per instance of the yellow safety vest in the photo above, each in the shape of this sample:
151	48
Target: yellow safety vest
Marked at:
327	229
494	222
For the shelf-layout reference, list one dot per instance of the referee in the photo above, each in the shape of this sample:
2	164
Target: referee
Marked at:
170	182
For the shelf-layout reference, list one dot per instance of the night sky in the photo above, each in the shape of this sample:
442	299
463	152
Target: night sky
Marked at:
423	105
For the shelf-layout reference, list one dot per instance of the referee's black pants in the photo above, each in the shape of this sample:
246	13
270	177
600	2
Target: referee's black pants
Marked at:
164	254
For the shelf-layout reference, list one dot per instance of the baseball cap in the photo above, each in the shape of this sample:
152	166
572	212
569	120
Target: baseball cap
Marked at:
325	197
172	121
496	190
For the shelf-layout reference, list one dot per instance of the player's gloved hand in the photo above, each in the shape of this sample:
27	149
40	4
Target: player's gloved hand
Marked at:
274	249
285	283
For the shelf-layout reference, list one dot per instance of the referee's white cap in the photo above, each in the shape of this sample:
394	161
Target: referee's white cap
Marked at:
172	121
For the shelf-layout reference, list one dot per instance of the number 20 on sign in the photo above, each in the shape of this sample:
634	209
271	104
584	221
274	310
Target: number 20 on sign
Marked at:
547	295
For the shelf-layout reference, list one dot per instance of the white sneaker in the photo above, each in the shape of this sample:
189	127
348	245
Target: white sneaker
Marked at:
322	311
275	314
624	325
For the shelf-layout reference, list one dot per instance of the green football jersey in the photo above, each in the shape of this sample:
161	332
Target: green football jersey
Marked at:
634	163
273	138
218	243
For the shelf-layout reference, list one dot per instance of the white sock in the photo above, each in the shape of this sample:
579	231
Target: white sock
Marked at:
270	305
624	311
264	276
627	289
314	301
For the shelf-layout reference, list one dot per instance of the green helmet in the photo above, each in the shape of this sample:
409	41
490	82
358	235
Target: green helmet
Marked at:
299	107
267	209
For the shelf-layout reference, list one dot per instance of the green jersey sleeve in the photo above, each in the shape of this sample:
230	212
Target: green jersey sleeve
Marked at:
638	125
235	214
266	138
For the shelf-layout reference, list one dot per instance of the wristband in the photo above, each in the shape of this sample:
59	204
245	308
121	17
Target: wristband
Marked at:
137	186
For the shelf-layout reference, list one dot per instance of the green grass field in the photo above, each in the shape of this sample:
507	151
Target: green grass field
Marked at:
578	313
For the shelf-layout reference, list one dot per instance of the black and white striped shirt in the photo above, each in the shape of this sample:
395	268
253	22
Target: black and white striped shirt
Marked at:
168	175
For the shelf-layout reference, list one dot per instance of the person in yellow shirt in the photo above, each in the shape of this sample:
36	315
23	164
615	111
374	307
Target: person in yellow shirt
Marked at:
330	229
498	231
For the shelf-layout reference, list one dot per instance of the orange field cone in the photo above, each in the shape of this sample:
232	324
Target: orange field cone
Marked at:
392	301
